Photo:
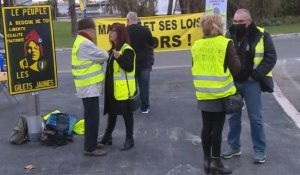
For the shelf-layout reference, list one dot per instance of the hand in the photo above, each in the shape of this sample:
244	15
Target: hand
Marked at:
23	63
116	54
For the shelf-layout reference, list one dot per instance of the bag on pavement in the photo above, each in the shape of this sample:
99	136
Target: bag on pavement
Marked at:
233	103
59	129
19	134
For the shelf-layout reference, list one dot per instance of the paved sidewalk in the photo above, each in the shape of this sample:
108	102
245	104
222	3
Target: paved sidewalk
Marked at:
167	140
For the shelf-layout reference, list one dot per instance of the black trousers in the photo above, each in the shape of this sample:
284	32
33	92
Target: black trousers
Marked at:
129	122
91	122
211	134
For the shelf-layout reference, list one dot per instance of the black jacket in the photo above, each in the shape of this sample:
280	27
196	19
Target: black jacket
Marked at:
142	42
245	46
111	105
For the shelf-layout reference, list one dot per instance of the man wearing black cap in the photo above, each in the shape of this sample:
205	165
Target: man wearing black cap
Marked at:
88	75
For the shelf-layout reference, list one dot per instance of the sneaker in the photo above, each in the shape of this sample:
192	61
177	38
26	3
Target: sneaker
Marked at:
231	153
145	111
95	153
259	158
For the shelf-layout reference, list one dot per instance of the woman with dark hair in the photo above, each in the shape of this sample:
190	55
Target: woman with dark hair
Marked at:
119	84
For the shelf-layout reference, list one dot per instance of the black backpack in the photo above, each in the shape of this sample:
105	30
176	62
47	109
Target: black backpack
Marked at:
56	132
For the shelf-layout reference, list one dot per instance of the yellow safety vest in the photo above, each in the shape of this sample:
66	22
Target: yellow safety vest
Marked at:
210	80
259	51
79	127
85	72
120	83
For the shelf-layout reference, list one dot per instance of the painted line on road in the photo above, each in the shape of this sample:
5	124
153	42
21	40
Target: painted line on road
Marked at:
64	71
286	105
171	67
155	68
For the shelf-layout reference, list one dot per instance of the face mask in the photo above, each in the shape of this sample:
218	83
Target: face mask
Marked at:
239	28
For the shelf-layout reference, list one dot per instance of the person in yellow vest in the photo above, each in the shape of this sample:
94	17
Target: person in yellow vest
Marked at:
258	57
214	62
88	75
119	84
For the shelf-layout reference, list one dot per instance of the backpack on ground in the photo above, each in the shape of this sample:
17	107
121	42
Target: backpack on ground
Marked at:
19	134
58	129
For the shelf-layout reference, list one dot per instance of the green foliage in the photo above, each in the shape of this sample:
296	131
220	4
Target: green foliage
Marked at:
63	34
284	28
269	22
141	7
279	21
290	7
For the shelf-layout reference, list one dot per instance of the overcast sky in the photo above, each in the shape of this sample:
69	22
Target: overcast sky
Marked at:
162	6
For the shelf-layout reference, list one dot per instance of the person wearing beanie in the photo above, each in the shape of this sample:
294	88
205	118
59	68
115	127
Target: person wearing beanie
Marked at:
88	75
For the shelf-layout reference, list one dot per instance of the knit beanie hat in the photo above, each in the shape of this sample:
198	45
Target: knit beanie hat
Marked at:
86	23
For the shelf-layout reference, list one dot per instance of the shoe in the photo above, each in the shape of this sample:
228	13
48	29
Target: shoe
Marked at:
129	143
206	164
217	167
231	153
145	111
259	158
95	153
106	140
100	146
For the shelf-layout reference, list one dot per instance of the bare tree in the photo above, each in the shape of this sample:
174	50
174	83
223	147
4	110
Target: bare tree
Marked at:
191	6
260	9
170	7
141	7
54	9
73	16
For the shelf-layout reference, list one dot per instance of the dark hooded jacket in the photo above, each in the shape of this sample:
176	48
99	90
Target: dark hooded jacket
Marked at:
245	46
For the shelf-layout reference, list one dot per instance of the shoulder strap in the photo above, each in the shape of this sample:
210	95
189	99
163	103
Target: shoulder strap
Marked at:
136	87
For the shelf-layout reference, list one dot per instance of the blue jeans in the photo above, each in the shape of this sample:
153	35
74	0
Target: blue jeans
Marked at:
251	92
143	77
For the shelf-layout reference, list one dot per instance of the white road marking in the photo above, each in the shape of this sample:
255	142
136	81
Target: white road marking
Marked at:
154	67
286	105
171	67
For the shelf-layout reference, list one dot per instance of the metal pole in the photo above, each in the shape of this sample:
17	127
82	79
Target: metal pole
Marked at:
33	104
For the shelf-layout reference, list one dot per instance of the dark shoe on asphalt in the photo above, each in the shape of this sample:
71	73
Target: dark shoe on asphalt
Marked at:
259	158
206	164
231	153
145	111
95	153
100	146
217	167
129	143
106	140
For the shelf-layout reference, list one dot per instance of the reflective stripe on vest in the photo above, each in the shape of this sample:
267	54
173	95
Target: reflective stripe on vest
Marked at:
85	72
120	83
209	78
259	51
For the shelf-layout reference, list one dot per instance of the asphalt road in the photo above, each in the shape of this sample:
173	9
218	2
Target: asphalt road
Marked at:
286	71
167	140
